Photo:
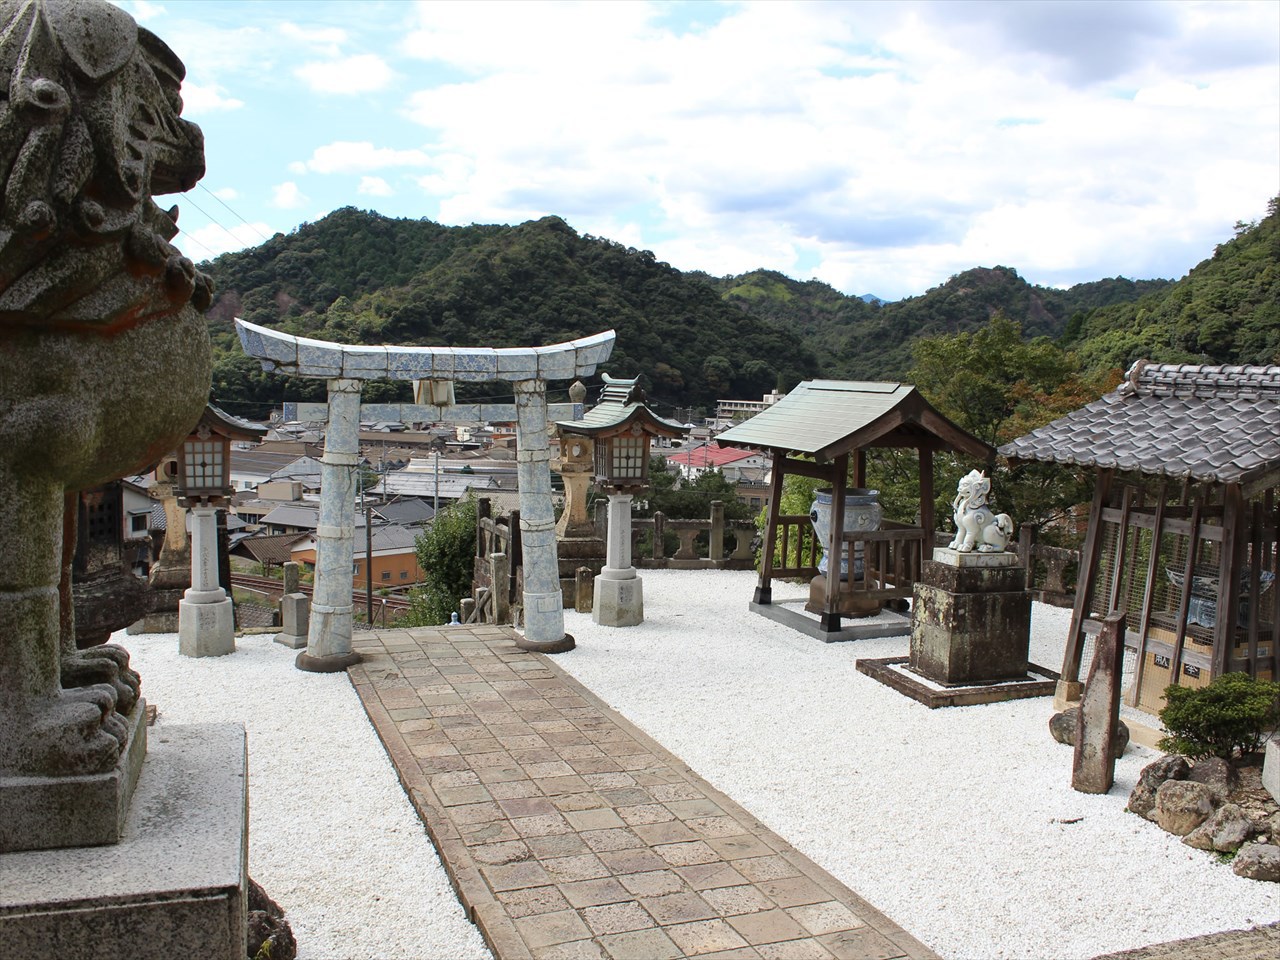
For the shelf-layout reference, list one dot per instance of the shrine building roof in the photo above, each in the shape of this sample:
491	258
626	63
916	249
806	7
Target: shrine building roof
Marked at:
828	418
1218	424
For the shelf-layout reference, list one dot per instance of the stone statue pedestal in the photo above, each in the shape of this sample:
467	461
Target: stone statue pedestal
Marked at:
618	603
176	883
971	618
84	811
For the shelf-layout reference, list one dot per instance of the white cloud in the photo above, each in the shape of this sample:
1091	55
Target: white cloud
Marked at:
374	187
197	100
287	196
227	193
364	73
356	157
326	39
211	240
297	166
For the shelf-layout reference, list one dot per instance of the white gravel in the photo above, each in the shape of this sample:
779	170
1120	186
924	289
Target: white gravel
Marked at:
959	823
332	837
954	822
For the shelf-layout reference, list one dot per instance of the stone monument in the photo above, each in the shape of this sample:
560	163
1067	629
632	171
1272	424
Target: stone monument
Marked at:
578	542
99	315
971	613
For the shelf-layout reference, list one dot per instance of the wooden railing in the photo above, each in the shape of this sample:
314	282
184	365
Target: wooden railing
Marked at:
891	560
796	539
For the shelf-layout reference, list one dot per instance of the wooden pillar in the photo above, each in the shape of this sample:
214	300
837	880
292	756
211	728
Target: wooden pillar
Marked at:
829	621
860	468
1148	593
764	588
1069	685
927	521
1230	562
1188	572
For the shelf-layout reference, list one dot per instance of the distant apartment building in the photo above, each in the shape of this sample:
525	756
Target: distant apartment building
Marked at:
729	412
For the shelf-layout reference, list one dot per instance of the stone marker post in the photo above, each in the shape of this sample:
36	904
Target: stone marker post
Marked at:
619	591
1094	767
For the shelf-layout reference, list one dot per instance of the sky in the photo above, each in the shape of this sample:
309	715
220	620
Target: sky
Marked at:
878	147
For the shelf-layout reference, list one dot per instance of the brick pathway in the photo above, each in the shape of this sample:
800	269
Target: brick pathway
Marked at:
570	833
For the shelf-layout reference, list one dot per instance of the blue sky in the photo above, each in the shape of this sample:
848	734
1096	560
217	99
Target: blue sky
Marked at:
879	147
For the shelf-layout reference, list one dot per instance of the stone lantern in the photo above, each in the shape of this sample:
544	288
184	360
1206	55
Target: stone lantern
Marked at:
621	429
206	621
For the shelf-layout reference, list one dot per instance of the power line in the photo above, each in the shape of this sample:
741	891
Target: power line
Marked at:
234	213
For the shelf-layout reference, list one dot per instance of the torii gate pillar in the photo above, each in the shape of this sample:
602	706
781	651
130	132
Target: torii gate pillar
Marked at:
329	634
543	599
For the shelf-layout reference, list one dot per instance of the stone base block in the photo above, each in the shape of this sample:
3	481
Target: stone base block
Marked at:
618	603
44	813
295	617
964	638
206	629
292	641
175	884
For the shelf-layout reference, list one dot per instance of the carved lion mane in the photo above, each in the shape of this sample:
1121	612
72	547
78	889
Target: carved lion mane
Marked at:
89	128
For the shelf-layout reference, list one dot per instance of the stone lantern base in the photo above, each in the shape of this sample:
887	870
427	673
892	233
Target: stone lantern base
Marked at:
206	629
618	603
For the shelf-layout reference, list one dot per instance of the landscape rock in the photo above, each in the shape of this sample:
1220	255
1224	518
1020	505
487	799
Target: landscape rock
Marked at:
1258	861
1217	774
1224	832
1143	799
1182	805
1062	727
267	923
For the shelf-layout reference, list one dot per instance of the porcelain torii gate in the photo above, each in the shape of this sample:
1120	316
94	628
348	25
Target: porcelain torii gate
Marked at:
344	367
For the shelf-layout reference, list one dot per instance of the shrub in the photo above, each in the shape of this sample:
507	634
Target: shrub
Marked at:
1234	713
446	553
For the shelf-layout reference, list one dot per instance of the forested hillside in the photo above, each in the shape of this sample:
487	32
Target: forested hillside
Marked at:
356	276
536	283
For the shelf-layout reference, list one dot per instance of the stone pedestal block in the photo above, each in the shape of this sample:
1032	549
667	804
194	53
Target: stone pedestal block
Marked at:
618	603
849	603
42	813
295	615
206	629
971	621
174	886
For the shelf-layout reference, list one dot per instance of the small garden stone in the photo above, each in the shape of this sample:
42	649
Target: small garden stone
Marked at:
1224	832
1143	799
1258	861
1217	774
1062	727
1182	805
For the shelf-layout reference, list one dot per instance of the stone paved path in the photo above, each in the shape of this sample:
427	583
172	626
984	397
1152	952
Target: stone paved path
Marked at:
570	833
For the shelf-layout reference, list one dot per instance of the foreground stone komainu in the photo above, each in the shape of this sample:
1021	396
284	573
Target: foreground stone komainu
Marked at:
104	356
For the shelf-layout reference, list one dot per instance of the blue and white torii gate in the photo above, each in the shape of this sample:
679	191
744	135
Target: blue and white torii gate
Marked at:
527	369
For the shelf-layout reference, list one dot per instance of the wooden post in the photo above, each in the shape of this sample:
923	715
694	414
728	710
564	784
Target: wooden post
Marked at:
859	469
1094	766
1114	601
584	587
1230	560
1027	552
1255	585
1069	686
927	520
1193	547
764	587
1149	593
829	620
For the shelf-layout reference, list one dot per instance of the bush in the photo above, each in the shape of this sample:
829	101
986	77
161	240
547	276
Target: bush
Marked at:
446	553
1234	713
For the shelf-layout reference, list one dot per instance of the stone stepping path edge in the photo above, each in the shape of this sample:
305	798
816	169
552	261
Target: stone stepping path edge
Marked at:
568	832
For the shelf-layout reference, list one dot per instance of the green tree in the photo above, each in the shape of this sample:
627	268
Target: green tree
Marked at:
445	552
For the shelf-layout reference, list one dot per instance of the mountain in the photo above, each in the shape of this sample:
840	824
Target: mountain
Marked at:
1225	310
358	277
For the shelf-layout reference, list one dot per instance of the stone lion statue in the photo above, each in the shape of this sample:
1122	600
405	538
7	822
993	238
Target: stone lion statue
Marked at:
976	524
104	354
